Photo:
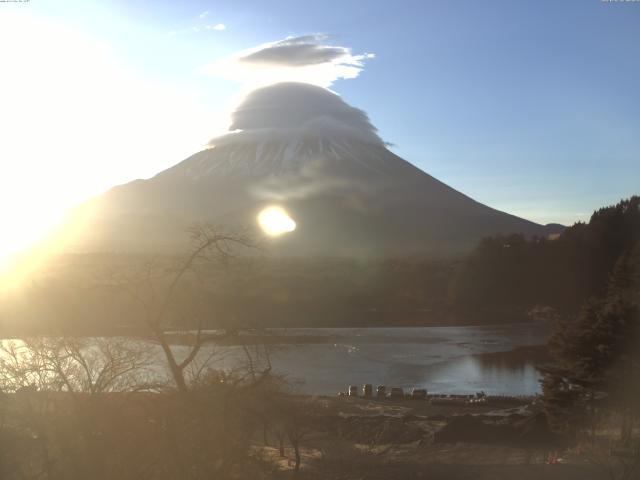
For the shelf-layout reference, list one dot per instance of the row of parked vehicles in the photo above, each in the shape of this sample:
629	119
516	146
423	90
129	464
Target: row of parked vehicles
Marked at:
395	393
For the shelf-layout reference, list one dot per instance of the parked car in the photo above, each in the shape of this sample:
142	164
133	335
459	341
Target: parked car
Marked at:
381	392
367	390
353	391
418	394
396	393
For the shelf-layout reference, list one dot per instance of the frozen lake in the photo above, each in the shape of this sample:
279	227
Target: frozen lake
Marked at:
441	359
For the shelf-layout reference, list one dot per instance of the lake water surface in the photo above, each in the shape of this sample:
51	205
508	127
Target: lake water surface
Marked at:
323	361
441	359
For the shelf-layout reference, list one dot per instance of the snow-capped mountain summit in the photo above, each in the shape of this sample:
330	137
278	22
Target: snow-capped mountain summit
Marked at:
303	148
284	127
276	157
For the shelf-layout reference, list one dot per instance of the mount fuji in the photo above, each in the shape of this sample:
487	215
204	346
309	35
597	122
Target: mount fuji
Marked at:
302	148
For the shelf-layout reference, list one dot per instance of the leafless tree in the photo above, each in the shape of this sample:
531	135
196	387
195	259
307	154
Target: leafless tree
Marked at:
74	365
66	395
292	419
156	290
206	422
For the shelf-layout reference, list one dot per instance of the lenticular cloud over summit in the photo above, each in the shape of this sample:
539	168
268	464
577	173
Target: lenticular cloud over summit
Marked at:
300	51
307	58
298	109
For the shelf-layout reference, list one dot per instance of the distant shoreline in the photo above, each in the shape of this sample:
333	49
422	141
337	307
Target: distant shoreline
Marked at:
264	337
188	338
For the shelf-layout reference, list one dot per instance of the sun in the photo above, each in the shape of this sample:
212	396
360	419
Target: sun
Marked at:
275	221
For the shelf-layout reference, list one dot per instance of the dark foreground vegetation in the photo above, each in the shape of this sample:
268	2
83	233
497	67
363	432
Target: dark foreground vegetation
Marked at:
251	429
74	411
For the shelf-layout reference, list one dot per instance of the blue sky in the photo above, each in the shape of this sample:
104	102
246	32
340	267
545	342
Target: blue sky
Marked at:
531	107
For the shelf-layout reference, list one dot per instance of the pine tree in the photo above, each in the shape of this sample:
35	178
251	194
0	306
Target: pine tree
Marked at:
596	362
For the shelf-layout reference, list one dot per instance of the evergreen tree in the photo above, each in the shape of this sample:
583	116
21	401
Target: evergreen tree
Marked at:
596	358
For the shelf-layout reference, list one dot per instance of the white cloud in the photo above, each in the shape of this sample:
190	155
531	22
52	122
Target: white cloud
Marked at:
296	52
199	25
297	108
307	59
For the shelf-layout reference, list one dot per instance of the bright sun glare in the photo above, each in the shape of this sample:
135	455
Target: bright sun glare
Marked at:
65	96
275	221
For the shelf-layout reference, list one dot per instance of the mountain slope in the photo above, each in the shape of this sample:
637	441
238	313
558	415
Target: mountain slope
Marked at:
303	148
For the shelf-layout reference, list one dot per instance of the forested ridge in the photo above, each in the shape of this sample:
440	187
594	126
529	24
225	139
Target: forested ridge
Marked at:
503	279
563	272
